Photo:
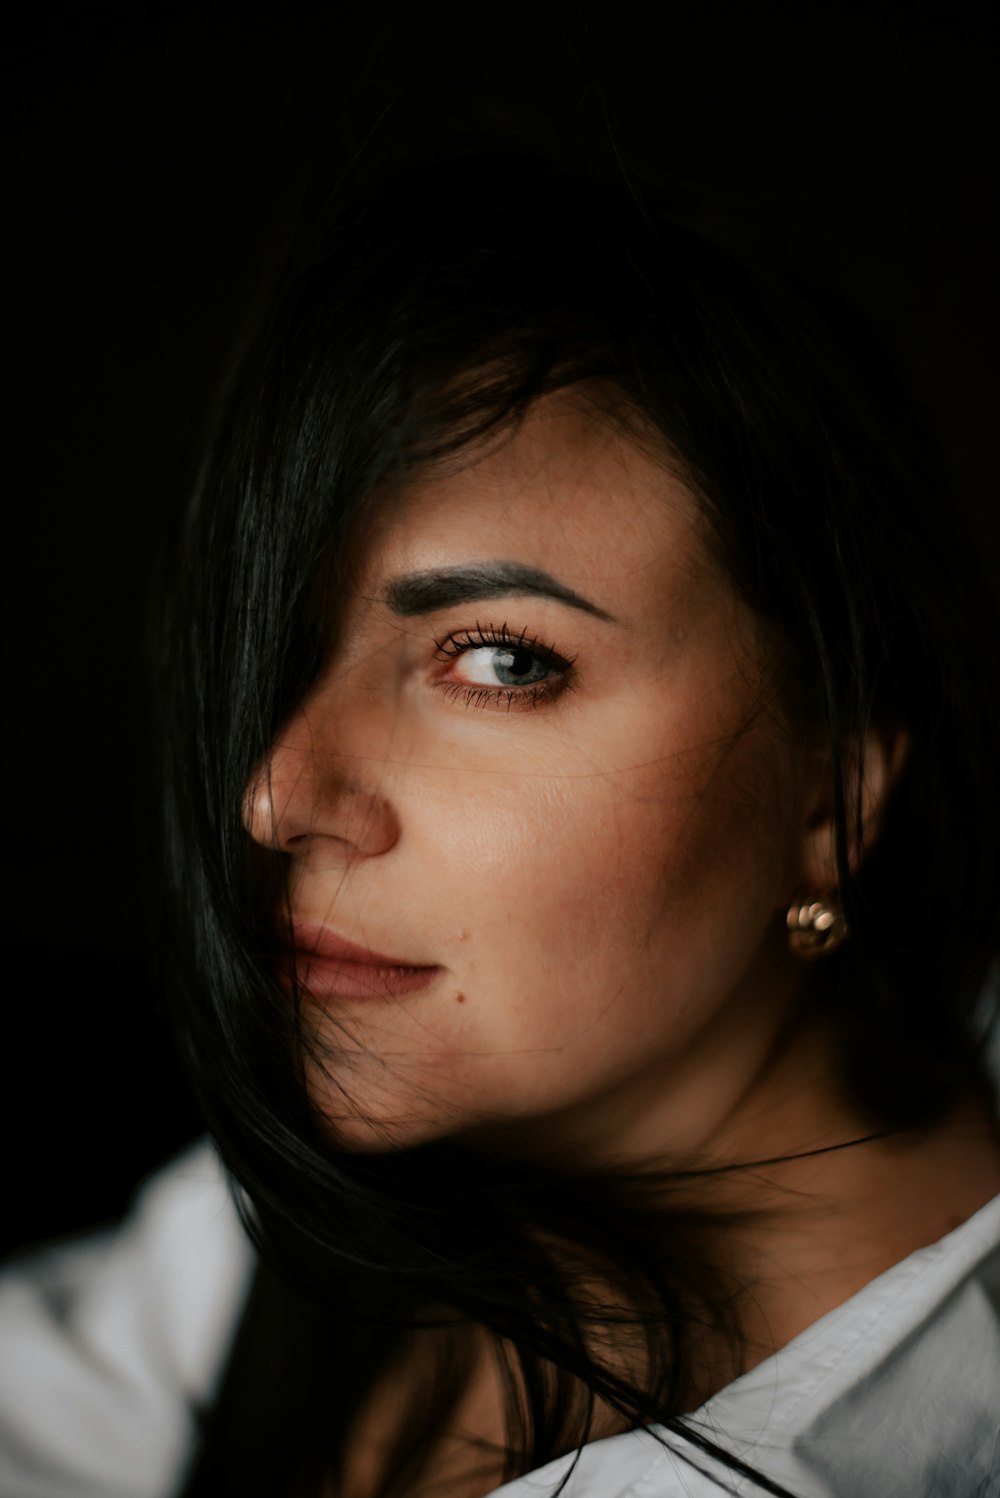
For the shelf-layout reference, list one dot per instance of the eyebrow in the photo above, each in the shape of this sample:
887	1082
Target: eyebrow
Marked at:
441	587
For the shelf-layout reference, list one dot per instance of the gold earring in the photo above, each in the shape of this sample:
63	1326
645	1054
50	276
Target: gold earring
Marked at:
817	928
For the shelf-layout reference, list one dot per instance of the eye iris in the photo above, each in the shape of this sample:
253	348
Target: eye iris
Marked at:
517	666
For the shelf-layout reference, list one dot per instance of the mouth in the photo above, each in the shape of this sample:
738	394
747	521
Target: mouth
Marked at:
328	966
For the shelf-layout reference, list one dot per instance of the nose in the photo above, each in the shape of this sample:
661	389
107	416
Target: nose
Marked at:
309	797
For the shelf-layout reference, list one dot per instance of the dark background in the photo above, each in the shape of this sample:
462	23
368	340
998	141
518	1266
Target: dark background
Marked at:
157	161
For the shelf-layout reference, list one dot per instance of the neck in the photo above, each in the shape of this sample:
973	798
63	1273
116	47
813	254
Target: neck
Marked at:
802	1198
823	1202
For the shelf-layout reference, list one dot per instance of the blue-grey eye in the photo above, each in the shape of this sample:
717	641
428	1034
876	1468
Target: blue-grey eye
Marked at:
503	666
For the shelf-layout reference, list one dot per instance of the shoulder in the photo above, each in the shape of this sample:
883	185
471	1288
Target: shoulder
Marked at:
916	1353
113	1342
891	1395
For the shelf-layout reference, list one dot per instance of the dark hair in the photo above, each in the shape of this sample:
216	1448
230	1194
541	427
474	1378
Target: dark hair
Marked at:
441	306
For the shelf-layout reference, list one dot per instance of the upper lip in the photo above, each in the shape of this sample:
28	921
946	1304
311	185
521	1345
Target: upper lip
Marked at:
312	940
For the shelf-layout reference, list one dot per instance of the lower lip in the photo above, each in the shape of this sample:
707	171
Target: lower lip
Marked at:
335	978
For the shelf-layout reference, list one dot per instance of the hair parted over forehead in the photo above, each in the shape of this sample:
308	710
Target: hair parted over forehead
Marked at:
441	304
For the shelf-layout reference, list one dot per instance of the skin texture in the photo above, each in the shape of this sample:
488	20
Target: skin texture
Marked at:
601	874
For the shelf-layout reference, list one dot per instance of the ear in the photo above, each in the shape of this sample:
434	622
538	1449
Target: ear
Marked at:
885	751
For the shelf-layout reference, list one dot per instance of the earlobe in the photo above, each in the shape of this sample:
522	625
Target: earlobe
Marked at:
885	751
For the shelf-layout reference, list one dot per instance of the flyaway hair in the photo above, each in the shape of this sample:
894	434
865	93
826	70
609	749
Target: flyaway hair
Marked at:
424	323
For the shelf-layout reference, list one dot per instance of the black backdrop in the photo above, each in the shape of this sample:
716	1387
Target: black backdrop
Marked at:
157	161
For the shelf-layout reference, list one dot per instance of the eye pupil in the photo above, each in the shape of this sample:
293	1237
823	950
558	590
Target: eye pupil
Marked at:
507	664
514	665
517	662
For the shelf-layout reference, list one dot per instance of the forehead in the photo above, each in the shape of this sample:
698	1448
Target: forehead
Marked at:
567	490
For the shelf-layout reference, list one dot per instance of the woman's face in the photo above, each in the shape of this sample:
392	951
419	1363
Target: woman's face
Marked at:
547	763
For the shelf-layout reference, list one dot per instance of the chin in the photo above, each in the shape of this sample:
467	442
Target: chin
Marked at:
369	1126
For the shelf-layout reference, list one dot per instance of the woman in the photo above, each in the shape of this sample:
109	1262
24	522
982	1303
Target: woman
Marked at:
583	851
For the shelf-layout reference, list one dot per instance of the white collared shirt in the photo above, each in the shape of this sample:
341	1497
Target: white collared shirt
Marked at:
108	1345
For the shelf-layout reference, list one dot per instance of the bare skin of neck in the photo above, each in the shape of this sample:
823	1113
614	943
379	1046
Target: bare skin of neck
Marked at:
810	1233
847	1206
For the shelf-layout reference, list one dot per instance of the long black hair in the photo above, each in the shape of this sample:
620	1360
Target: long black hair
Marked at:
441	304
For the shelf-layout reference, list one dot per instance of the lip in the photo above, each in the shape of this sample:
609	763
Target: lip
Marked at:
328	966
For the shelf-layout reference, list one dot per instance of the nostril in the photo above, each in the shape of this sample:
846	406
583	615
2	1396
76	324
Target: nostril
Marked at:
307	793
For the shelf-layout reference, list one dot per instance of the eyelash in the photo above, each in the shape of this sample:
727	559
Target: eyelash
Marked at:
516	698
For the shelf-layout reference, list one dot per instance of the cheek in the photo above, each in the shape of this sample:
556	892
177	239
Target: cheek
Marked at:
586	879
594	925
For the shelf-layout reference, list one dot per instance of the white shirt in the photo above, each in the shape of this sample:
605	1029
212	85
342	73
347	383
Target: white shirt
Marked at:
107	1345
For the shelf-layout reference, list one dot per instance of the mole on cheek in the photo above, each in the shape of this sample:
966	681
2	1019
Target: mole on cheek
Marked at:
460	998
